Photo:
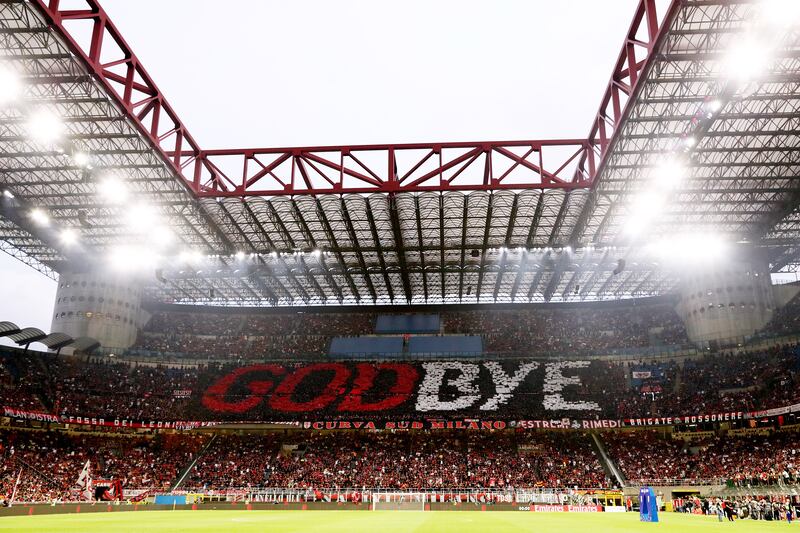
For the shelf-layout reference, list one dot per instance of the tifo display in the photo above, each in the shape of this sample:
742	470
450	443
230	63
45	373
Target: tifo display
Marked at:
721	387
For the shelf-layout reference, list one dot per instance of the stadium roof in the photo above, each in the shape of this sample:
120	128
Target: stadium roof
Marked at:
695	144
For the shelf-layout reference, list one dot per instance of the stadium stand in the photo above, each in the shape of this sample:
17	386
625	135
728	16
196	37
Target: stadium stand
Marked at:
52	460
537	331
418	460
650	458
410	460
786	319
757	379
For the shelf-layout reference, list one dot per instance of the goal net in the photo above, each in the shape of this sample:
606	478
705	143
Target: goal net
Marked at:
398	501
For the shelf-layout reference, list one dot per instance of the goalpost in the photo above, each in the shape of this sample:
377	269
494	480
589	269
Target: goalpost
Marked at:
398	501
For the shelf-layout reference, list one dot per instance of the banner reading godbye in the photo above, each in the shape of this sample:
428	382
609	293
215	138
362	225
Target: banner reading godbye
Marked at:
450	387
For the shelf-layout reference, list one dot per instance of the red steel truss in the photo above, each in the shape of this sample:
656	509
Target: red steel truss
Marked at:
391	168
113	63
537	164
631	63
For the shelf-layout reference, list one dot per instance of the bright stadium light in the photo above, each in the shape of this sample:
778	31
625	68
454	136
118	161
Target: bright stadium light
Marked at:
670	173
240	256
141	217
68	236
689	248
746	60
647	203
132	258
8	194
113	190
81	159
163	236
10	86
45	127
40	217
713	107
190	256
780	13
644	207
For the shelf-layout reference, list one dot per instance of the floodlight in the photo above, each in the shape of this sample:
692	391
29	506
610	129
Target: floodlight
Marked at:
113	190
670	173
131	258
780	13
689	248
81	159
644	207
746	60
45	127
240	256
647	203
40	217
141	217
713	106
191	256
10	86
8	194
68	236
163	236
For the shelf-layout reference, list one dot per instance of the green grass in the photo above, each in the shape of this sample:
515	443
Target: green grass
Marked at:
369	522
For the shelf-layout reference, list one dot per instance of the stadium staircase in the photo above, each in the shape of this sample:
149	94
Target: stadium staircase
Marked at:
183	475
608	465
676	387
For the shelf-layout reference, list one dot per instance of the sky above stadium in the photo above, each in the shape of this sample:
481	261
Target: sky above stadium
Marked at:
268	73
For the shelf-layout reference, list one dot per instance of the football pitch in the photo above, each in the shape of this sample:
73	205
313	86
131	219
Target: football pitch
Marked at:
369	522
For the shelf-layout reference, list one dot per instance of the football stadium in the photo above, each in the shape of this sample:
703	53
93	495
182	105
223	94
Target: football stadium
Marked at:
555	333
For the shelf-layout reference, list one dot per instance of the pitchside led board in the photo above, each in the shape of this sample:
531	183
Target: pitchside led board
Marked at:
648	505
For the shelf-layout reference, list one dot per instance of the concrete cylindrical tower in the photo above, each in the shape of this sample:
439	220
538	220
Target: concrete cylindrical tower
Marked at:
98	306
727	301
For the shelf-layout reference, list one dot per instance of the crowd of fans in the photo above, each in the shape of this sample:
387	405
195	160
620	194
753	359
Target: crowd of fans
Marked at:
247	336
116	389
410	460
745	461
530	331
786	319
18	386
723	382
110	390
262	324
48	463
573	331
